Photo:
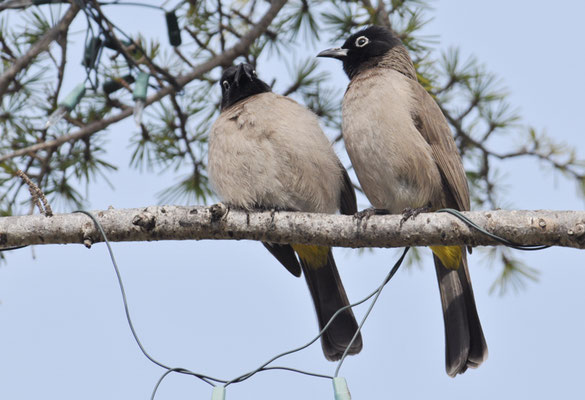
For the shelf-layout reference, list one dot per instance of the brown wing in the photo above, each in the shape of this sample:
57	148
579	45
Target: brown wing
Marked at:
347	200
432	125
286	255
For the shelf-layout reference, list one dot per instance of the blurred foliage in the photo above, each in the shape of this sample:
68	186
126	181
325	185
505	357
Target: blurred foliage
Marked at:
173	134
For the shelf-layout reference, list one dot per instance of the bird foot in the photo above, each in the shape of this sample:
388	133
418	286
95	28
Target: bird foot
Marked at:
409	213
368	212
218	211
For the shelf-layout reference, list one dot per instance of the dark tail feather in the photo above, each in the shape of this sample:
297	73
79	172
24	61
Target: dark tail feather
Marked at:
329	296
478	350
465	344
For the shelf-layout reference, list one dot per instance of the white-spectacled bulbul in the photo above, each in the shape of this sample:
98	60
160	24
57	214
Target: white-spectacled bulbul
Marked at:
268	152
405	158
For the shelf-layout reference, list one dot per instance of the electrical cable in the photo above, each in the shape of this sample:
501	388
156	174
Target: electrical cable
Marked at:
497	238
204	378
298	371
264	367
378	291
130	3
375	292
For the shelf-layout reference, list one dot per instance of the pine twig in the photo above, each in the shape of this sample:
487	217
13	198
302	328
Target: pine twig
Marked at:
37	195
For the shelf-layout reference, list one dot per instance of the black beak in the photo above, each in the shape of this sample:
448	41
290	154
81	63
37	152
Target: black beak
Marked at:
336	52
243	70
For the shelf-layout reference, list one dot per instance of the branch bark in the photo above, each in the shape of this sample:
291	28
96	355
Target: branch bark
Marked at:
41	45
556	228
224	58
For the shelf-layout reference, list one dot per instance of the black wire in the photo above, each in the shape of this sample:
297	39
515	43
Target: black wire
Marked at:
13	248
298	371
497	238
264	367
204	378
130	3
180	371
378	291
160	381
89	34
99	18
248	375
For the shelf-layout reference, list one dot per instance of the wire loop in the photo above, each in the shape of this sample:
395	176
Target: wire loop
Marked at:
264	367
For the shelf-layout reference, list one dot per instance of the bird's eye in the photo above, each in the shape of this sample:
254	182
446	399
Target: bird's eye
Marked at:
226	85
254	74
362	41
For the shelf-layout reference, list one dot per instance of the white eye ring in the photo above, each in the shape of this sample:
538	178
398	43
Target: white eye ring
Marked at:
226	85
362	41
254	74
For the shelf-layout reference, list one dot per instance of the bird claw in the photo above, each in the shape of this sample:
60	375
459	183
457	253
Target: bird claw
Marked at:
368	212
411	213
218	211
272	214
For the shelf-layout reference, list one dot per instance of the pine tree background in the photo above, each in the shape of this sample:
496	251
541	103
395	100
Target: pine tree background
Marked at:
506	76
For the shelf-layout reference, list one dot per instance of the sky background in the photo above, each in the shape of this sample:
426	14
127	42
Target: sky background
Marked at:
223	307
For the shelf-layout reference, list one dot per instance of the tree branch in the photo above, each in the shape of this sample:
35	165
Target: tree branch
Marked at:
557	228
379	13
224	58
41	45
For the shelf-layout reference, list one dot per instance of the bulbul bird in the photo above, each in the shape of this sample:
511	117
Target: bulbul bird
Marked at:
268	152
405	158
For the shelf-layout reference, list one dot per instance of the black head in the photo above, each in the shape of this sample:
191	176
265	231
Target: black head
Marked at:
239	82
365	45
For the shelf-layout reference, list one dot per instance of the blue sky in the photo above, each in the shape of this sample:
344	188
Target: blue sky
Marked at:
221	308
